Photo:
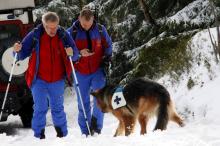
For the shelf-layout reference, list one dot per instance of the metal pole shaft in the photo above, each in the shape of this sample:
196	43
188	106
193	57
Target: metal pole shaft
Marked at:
8	86
80	97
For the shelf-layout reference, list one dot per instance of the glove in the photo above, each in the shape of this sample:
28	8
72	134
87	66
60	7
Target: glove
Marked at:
106	64
106	61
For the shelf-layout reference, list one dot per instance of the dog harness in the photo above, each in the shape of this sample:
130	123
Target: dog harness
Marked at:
118	99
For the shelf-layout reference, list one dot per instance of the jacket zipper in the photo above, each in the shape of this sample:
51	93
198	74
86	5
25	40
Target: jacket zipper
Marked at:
89	41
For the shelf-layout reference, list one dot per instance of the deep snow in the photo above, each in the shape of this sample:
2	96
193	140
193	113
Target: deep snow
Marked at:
199	106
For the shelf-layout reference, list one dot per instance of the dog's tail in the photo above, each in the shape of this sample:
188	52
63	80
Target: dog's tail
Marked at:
163	117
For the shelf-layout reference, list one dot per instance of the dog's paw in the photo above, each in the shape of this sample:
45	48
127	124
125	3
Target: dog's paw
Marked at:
182	124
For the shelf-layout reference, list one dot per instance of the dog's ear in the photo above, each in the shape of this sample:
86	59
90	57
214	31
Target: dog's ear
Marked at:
95	94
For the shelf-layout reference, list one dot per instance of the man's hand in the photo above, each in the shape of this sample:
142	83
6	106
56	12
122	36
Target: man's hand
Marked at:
69	51
86	52
17	47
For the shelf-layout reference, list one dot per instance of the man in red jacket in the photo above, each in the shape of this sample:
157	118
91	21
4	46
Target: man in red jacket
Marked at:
95	47
48	66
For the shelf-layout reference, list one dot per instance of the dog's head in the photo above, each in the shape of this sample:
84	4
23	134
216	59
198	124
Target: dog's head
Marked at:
103	98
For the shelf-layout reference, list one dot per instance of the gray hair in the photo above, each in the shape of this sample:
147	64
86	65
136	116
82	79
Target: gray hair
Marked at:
50	16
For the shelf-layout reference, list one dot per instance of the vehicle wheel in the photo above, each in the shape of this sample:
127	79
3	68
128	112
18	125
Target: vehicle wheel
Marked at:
26	114
6	61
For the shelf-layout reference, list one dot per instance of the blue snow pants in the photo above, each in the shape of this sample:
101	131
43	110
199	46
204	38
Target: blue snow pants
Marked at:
48	94
88	83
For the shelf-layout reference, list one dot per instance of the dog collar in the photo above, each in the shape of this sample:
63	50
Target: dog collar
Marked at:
118	99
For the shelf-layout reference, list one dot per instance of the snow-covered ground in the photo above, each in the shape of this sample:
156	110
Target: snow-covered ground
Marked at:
199	106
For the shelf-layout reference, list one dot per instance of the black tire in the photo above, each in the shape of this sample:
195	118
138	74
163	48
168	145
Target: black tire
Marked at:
26	113
4	75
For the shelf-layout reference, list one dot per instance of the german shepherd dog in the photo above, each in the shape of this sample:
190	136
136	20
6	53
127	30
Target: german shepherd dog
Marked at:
144	99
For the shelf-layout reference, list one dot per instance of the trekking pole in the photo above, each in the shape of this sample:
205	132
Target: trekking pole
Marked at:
80	97
7	89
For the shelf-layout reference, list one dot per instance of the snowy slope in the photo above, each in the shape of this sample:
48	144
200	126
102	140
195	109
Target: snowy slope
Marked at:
204	71
200	107
197	12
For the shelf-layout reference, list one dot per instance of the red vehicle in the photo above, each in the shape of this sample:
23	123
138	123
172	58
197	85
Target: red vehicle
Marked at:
16	20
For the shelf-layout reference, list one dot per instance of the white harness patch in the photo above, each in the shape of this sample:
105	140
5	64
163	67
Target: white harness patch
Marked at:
118	99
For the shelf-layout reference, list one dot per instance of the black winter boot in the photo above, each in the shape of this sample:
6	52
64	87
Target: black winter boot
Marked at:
42	135
94	128
59	132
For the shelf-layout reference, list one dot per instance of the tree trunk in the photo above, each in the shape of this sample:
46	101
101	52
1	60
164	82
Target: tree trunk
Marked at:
217	23
147	15
213	45
218	40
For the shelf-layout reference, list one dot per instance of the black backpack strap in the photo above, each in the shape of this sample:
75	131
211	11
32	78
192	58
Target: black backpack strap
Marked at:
100	29
63	37
74	32
34	39
35	35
